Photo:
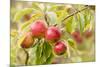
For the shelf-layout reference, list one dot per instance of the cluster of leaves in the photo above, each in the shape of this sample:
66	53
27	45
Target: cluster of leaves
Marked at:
53	14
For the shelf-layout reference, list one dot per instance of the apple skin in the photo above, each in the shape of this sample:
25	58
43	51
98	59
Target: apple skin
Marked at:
28	41
38	28
60	48
53	34
77	37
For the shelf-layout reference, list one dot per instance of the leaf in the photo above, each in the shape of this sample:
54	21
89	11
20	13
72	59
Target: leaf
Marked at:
51	18
56	7
81	22
38	55
47	49
75	24
36	6
21	13
69	25
43	52
87	27
61	14
88	18
43	7
53	8
71	43
84	20
32	54
49	59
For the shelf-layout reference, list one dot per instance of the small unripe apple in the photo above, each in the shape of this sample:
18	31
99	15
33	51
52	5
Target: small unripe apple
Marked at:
28	41
52	34
38	28
60	48
76	35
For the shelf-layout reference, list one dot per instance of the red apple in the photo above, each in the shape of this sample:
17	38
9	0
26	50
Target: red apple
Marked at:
53	33
60	48
88	34
28	41
38	28
79	39
76	35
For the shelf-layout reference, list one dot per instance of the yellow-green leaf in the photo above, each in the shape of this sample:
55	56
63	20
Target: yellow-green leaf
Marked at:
20	39
71	42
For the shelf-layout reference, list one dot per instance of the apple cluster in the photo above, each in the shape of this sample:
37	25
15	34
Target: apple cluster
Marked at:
39	29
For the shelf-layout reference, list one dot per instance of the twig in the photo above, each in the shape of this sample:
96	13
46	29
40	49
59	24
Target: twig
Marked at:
27	57
74	13
45	16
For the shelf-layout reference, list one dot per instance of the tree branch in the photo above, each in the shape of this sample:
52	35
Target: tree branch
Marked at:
74	13
46	19
27	57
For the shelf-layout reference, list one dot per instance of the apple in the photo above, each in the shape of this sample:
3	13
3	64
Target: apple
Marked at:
28	41
88	34
38	28
60	48
52	34
77	37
